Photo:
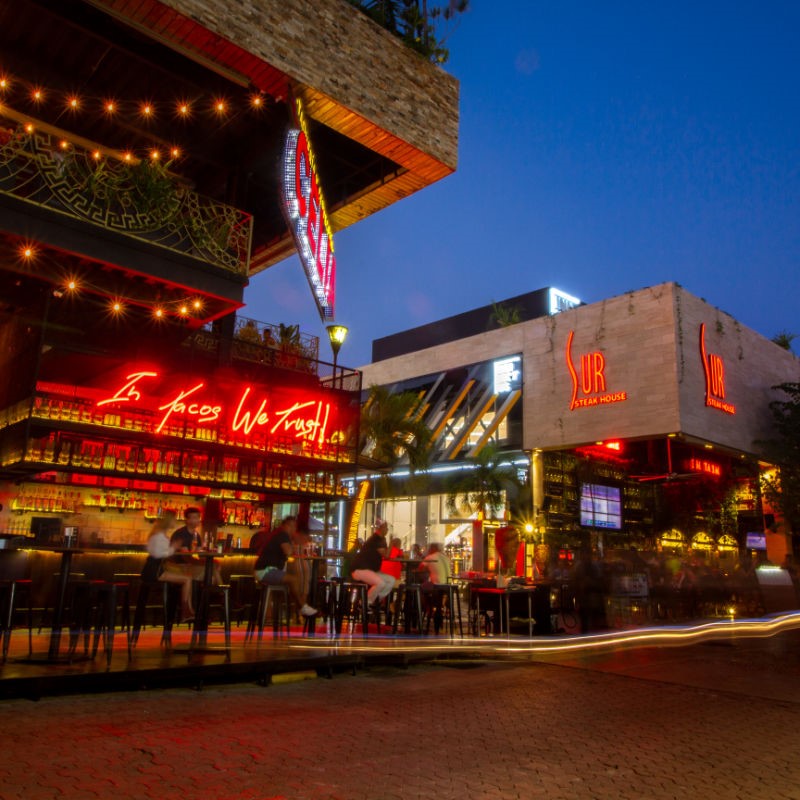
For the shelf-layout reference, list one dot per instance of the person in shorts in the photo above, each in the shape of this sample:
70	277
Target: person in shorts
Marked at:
270	565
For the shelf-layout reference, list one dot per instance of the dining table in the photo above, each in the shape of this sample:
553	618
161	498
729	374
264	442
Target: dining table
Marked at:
499	599
201	617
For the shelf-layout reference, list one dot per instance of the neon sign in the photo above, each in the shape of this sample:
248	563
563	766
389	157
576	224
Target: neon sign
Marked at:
704	466
308	220
589	380
714	369
256	416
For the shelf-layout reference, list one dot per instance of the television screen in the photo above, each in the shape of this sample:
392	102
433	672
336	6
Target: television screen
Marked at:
756	541
601	506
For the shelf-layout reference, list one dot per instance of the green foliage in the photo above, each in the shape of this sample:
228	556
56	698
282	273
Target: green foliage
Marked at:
784	339
504	316
484	488
420	26
390	429
783	490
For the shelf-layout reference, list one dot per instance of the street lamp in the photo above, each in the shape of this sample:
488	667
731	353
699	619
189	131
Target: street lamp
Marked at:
336	334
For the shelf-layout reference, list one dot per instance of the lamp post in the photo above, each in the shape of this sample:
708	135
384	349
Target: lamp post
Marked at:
336	334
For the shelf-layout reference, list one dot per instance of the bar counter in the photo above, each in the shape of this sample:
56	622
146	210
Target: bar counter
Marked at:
40	565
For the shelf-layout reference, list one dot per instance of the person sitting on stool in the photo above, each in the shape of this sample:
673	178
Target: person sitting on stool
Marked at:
270	565
366	566
437	566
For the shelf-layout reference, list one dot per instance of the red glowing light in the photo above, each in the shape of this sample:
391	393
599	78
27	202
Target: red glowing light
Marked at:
714	369
592	380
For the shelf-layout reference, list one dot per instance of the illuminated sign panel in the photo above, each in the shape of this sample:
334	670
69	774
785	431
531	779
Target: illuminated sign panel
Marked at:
589	387
714	368
308	220
704	466
507	374
304	421
561	301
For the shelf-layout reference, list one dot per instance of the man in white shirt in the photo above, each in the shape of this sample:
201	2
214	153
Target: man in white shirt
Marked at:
437	565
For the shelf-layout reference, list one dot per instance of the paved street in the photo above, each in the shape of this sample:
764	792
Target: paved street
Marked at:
645	724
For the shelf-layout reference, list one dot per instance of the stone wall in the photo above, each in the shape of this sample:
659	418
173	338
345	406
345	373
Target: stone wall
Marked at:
637	371
333	47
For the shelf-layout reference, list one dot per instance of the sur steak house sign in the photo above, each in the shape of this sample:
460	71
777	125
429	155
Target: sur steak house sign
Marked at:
304	208
252	415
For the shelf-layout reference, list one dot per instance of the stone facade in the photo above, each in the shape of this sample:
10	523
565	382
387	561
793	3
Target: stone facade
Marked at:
633	370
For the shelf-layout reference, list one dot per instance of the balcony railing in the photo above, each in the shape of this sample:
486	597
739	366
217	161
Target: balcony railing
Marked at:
140	199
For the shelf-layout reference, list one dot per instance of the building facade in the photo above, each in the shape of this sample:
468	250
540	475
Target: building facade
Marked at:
636	419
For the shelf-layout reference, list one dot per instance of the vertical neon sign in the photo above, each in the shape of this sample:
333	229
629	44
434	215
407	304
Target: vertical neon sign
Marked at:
714	369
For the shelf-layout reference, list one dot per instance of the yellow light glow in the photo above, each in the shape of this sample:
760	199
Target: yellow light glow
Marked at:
159	312
37	95
116	307
128	156
4	83
74	103
147	110
175	152
110	107
64	144
184	310
220	107
29	128
155	155
197	305
257	101
28	252
72	285
97	155
184	109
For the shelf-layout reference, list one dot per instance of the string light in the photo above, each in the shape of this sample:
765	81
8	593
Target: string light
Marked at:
4	84
27	251
197	305
29	128
74	103
184	109
183	311
128	156
116	307
175	152
147	110
37	95
158	313
72	285
110	107
155	155
64	144
257	100
97	155
220	107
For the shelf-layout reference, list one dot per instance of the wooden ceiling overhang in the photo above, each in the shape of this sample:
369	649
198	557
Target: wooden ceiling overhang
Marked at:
412	120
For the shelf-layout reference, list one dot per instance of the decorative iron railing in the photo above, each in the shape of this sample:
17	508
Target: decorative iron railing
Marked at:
140	199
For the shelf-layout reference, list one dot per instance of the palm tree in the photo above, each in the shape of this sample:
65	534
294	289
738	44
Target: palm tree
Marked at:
392	430
484	488
784	339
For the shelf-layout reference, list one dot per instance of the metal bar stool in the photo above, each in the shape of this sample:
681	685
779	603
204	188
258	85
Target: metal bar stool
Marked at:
351	604
94	611
438	593
9	590
224	590
409	604
279	595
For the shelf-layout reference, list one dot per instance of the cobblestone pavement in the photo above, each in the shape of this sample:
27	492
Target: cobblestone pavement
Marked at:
466	730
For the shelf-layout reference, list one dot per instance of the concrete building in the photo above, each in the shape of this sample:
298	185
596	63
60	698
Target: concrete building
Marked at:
636	419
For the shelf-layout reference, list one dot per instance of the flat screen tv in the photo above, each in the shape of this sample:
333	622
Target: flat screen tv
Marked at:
756	541
601	506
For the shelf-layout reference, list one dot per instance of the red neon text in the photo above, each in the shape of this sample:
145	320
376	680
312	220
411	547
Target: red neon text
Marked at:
592	380
128	391
714	369
203	411
707	467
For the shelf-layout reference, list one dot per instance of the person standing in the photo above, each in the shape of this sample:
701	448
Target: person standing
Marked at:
366	566
270	567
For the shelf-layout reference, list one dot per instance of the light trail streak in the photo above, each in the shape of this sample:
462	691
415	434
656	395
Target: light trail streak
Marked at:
674	636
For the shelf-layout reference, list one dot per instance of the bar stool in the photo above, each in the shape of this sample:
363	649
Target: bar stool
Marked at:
325	599
351	604
73	578
95	608
439	592
279	595
409	604
9	590
224	590
243	596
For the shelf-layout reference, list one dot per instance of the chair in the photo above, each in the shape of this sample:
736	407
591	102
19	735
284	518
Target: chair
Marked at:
224	590
95	608
409	605
9	590
352	605
436	606
279	596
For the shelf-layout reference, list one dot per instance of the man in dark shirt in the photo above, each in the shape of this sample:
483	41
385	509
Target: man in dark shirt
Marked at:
270	565
366	566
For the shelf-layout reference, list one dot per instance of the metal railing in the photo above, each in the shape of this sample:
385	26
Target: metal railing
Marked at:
140	199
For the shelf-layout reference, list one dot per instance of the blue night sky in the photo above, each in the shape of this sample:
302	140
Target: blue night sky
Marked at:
600	151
